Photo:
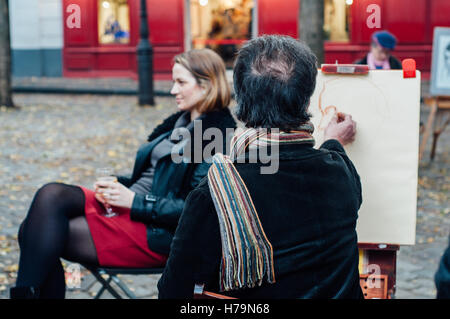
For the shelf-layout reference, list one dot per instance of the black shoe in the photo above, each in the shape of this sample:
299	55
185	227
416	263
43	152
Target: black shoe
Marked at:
24	293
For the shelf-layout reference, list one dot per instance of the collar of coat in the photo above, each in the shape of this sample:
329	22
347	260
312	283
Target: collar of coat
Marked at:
221	119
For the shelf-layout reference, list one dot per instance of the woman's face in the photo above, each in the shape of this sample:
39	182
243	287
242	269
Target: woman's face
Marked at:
188	93
379	53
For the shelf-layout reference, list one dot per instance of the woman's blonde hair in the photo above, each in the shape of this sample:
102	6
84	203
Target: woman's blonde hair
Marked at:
208	69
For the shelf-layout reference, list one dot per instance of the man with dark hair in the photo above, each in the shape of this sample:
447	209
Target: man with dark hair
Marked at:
287	234
380	56
273	81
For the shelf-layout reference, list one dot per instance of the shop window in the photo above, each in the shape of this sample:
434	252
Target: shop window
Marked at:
113	22
221	25
337	20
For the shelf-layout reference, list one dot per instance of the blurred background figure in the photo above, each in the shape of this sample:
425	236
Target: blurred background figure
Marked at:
113	28
380	57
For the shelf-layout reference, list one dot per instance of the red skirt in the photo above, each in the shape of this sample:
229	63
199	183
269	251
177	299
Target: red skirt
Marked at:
119	241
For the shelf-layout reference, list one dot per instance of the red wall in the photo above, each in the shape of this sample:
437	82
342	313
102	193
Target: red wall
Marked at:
439	14
83	56
278	17
411	21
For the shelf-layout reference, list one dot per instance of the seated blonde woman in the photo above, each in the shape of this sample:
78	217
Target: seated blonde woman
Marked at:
69	221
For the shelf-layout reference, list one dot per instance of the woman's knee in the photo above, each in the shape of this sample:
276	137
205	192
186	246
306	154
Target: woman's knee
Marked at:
50	190
57	197
58	193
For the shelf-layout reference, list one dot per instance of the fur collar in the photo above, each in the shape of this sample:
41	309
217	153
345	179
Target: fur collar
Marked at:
221	119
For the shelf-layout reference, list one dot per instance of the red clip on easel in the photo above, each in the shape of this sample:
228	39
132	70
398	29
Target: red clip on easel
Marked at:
409	68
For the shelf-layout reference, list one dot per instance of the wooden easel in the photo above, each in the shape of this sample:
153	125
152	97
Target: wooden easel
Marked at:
384	256
440	107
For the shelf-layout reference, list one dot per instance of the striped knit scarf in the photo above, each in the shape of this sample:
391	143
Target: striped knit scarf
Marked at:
247	255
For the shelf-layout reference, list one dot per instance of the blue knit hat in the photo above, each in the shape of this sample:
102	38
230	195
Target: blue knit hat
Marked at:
385	39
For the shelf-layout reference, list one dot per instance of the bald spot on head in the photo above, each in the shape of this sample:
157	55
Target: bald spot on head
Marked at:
276	68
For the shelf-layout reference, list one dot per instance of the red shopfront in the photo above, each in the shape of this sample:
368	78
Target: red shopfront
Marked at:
106	40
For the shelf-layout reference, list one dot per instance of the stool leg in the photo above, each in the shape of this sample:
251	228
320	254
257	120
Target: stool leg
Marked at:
124	288
102	290
107	285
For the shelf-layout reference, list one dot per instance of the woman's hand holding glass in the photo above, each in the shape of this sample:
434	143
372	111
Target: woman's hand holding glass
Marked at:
110	193
113	194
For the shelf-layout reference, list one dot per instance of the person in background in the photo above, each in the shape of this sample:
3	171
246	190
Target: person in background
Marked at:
380	57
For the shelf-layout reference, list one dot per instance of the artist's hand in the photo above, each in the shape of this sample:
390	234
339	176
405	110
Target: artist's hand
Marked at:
341	128
113	194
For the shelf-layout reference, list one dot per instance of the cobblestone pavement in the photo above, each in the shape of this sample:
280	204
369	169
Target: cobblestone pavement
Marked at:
417	264
66	137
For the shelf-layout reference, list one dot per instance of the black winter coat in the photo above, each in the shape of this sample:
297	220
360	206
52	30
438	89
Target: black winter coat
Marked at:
442	276
172	182
308	210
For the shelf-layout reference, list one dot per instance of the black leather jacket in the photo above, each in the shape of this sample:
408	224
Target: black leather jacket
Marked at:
172	182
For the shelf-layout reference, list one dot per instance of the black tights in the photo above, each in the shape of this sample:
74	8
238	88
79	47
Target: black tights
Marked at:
55	227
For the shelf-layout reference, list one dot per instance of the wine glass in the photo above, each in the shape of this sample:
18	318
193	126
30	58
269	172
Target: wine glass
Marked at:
105	174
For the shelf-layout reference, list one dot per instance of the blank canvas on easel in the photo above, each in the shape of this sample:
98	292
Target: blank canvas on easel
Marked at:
386	108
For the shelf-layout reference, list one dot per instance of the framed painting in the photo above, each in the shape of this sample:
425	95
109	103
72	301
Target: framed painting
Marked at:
440	63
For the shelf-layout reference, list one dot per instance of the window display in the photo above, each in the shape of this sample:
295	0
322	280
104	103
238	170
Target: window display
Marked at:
221	25
337	20
113	22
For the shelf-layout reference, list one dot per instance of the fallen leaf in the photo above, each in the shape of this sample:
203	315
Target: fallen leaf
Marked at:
112	153
15	157
88	173
20	178
11	268
16	188
424	182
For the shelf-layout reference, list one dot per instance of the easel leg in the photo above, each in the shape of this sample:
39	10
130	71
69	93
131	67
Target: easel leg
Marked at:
441	122
428	129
